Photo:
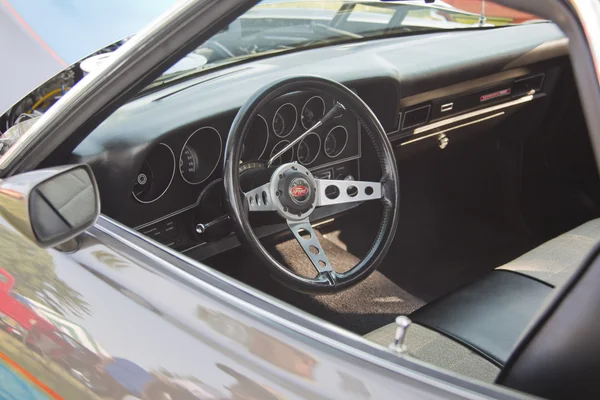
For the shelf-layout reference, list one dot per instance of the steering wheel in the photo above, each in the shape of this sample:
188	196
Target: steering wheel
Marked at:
294	193
219	49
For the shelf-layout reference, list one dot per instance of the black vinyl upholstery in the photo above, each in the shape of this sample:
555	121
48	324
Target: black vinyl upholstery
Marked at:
534	319
559	357
488	315
555	261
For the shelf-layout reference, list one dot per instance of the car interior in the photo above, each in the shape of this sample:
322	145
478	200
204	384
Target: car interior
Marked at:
494	202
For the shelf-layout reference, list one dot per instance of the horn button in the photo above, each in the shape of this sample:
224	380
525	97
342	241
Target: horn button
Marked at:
296	191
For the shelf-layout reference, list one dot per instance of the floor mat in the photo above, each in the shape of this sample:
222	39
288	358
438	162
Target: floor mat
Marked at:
365	307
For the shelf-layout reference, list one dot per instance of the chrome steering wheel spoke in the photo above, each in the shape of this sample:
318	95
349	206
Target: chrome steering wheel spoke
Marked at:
306	237
260	198
330	192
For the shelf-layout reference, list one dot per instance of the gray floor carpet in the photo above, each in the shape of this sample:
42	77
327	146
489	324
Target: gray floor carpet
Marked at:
361	309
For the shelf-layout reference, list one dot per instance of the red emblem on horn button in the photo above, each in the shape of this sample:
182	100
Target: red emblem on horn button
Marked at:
299	191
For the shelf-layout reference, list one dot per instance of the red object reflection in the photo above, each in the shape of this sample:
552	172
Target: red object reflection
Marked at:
491	10
17	317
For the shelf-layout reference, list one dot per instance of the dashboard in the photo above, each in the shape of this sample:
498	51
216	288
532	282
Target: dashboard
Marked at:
178	185
158	159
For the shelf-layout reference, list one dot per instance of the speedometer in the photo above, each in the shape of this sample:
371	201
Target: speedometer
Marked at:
200	155
188	164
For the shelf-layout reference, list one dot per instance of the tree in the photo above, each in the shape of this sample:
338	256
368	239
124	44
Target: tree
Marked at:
35	274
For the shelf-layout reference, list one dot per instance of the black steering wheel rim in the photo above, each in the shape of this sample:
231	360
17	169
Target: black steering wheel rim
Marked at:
237	206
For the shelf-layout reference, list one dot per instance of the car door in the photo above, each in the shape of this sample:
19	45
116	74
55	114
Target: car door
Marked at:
157	322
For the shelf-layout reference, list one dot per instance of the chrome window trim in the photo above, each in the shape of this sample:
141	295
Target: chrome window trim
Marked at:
588	38
374	356
588	12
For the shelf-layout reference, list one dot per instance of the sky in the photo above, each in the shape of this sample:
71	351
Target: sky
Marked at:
75	28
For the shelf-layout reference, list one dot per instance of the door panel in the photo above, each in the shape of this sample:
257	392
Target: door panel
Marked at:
128	325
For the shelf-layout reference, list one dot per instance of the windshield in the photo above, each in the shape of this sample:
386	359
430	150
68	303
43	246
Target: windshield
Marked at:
274	26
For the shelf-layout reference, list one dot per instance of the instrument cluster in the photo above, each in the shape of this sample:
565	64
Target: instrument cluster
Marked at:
179	170
293	115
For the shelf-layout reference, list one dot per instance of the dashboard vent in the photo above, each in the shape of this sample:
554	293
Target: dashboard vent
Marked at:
526	85
415	117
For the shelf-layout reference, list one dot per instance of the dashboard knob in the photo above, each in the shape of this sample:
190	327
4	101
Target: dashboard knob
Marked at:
443	141
200	228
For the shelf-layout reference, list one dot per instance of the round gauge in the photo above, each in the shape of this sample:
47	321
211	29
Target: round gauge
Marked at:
286	157
284	120
336	141
200	155
312	112
278	124
309	148
255	142
155	176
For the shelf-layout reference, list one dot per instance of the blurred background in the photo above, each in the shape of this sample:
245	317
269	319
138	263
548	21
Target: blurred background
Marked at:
39	39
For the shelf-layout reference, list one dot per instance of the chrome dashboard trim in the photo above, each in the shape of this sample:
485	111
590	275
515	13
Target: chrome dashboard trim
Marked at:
453	128
398	133
472	114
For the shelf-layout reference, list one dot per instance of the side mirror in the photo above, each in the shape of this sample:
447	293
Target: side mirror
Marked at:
51	206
